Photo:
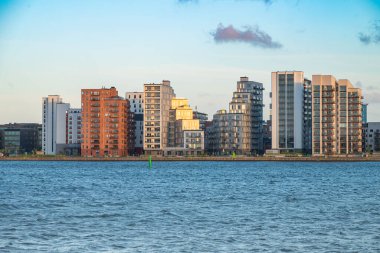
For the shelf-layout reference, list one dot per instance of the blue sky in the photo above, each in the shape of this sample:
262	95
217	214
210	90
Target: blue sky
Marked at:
59	47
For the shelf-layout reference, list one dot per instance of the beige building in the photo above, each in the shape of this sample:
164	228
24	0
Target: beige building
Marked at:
157	99
337	116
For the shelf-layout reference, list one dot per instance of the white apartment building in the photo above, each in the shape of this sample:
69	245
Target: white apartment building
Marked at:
74	126
53	123
288	110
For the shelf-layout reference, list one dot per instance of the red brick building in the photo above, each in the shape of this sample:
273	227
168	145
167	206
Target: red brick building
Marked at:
107	124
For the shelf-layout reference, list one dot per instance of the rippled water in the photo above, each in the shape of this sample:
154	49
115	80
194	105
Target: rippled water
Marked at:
189	207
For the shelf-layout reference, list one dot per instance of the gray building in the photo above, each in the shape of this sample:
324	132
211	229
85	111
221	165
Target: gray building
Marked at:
19	138
231	132
364	112
136	100
371	135
203	117
291	112
307	137
240	130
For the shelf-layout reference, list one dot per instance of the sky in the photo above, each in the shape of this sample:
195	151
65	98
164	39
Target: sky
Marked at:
202	47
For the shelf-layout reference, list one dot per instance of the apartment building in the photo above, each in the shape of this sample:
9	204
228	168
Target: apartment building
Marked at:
203	118
337	116
53	123
185	135
291	112
371	137
240	130
136	100
231	133
107	123
157	99
74	126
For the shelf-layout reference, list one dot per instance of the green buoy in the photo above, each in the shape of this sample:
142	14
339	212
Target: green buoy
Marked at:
150	161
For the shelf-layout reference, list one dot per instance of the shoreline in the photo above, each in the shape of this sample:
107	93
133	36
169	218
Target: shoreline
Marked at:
194	159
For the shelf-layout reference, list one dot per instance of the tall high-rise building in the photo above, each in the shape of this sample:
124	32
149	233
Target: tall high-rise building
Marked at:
157	99
136	100
337	116
53	123
291	112
241	129
107	123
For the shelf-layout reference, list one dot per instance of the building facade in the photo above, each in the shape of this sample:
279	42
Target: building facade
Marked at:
291	112
136	100
371	135
107	124
307	136
53	123
19	138
364	112
73	133
231	133
157	99
267	135
202	117
74	126
337	116
185	135
240	130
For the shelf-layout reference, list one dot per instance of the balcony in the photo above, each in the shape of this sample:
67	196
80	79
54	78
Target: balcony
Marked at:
113	137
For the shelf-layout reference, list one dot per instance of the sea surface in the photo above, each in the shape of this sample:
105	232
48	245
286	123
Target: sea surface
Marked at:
189	207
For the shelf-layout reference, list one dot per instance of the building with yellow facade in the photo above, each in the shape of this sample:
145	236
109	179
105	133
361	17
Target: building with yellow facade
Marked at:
184	136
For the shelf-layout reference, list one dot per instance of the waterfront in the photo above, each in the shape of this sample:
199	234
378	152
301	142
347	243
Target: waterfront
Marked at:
189	206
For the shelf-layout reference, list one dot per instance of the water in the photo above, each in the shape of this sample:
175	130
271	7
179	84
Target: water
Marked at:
189	207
